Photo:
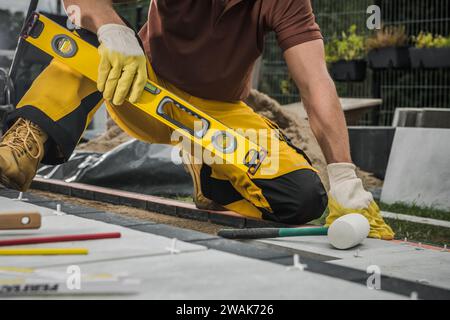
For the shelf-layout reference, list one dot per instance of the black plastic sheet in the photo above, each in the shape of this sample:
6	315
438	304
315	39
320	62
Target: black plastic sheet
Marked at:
153	169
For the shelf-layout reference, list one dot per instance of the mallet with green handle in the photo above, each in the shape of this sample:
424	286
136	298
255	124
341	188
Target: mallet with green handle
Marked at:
344	233
261	233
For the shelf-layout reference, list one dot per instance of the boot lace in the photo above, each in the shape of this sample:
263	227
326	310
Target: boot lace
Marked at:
23	138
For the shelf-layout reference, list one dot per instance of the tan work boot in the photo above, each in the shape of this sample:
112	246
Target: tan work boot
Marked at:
21	151
201	202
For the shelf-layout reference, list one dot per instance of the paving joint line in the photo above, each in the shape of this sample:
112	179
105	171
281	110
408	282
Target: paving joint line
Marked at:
140	256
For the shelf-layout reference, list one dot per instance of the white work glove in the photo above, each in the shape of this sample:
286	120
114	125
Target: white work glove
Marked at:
346	188
122	71
347	195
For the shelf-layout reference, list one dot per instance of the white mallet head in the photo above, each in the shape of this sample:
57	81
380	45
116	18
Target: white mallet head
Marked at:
348	231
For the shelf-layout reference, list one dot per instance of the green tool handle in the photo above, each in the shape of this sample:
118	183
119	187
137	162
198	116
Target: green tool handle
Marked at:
261	233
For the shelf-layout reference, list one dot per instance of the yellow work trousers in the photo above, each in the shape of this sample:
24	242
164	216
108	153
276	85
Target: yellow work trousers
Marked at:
62	102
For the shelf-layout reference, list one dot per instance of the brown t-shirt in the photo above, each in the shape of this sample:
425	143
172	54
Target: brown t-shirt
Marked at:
208	47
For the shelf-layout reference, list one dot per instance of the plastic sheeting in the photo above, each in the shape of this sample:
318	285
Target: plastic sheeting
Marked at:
153	169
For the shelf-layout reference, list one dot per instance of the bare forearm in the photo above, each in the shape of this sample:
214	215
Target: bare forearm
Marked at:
307	66
327	120
94	14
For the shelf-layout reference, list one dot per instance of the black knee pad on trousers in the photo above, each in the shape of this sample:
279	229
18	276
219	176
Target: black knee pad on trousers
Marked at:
295	198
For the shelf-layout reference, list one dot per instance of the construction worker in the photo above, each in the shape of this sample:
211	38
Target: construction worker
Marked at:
204	52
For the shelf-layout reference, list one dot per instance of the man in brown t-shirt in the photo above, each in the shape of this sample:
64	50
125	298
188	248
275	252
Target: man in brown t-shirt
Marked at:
204	52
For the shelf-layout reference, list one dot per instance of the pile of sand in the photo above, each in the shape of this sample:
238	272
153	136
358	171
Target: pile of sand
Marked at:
296	128
293	126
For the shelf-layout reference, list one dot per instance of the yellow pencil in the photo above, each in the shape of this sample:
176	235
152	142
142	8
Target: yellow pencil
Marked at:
43	251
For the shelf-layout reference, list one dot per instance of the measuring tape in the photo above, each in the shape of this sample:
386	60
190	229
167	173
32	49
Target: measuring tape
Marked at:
222	141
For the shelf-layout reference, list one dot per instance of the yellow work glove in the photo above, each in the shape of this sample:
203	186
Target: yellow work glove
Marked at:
347	195
122	71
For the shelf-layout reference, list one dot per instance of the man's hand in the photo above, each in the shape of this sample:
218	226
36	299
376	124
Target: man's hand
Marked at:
347	195
123	66
308	68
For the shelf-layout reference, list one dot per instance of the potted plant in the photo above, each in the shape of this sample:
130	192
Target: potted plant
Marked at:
430	51
388	48
345	56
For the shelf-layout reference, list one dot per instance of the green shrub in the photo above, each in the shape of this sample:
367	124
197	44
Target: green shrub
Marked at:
350	46
428	40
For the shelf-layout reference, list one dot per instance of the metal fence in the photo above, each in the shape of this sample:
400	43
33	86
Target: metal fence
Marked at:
397	88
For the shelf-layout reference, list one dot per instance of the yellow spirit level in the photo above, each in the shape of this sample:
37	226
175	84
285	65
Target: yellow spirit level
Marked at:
222	141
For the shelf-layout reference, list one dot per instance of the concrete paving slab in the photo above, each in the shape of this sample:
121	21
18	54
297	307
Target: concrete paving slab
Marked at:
174	232
251	249
4	192
13	194
67	207
133	243
399	260
114	218
424	266
217	275
415	182
47	207
32	199
195	274
319	247
64	224
9	205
